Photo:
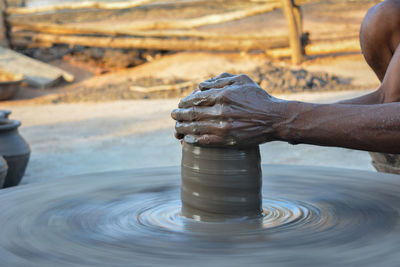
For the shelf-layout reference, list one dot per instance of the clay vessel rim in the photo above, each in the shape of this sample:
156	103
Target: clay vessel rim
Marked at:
5	113
224	148
12	78
7	125
11	82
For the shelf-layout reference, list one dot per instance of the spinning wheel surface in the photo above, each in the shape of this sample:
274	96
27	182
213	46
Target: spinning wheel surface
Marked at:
313	216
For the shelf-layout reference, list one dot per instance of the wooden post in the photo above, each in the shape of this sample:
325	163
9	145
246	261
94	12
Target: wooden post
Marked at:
3	25
294	31
299	18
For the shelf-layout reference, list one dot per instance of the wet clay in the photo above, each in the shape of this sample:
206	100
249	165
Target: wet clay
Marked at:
314	216
220	183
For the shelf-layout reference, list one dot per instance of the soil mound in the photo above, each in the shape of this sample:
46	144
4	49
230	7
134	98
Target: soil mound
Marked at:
275	79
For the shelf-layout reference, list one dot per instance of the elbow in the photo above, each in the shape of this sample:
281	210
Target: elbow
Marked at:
387	94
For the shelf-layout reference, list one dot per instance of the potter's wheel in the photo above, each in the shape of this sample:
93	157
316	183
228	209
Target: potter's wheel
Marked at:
313	216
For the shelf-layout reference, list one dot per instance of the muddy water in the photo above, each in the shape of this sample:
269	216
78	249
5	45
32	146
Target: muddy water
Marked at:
313	217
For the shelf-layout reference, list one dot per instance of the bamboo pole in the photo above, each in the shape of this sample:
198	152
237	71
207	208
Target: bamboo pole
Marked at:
320	48
118	31
294	34
104	5
24	38
213	19
81	5
194	22
299	18
4	40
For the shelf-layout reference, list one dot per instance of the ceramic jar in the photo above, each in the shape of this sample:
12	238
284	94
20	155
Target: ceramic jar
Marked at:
9	87
4	114
3	171
14	149
219	183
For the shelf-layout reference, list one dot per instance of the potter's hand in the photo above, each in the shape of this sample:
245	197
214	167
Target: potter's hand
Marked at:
230	110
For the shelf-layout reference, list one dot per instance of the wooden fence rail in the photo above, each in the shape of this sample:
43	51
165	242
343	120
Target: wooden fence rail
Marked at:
25	38
160	35
80	5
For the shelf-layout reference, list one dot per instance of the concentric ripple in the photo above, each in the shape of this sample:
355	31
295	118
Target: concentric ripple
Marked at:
312	216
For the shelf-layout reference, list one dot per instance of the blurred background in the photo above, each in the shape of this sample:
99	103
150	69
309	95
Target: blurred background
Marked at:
101	77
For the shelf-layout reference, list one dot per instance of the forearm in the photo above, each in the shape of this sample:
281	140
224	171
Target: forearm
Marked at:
375	97
362	127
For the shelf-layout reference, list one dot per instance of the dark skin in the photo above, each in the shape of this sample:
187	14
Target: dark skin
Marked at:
233	111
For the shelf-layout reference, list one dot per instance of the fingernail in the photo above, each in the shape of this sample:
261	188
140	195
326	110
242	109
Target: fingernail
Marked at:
173	113
204	84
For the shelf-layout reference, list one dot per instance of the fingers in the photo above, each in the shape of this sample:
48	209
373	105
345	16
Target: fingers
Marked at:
219	128
198	113
224	80
198	128
206	140
206	98
223	75
221	81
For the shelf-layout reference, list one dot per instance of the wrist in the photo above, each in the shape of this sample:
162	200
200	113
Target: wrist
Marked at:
287	128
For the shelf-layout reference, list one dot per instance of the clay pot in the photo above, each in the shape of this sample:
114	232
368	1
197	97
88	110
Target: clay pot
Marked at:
9	84
4	114
220	183
14	149
3	171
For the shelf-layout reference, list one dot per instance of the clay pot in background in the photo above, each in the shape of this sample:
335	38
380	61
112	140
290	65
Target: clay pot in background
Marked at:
14	149
9	84
3	171
4	114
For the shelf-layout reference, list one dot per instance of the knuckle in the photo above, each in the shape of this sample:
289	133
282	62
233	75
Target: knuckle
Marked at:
243	77
203	85
193	115
224	127
199	99
225	74
224	97
178	127
222	114
206	139
195	129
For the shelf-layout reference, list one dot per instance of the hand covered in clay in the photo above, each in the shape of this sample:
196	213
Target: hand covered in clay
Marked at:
229	110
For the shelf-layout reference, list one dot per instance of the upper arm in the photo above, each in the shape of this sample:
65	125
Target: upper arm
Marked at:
390	88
